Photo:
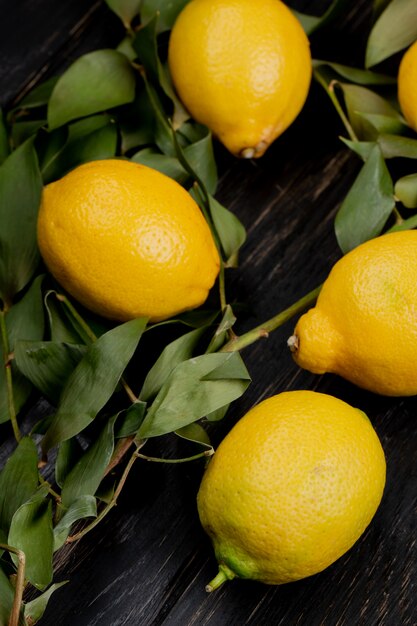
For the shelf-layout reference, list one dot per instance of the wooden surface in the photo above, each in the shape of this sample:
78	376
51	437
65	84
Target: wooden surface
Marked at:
149	561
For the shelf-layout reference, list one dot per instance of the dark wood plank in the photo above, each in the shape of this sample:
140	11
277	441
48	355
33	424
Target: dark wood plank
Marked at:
149	561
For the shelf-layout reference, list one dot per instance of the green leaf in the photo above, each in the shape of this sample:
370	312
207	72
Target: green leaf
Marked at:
22	131
129	420
136	122
195	388
93	381
383	124
61	330
84	506
48	364
146	46
20	193
35	609
356	75
69	453
167	11
216	416
31	531
361	101
220	335
311	23
408	224
391	146
125	9
25	320
4	139
95	82
367	206
83	145
88	472
379	6
21	391
126	48
200	158
49	146
406	190
232	233
6	598
18	480
163	134
394	30
170	166
172	355
39	95
194	432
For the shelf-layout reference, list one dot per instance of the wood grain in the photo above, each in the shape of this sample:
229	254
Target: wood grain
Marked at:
149	561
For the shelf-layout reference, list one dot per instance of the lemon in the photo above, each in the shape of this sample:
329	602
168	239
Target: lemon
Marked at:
126	241
364	324
291	488
407	81
242	68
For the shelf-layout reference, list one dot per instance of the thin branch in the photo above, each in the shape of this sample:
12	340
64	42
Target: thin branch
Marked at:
263	330
20	584
329	88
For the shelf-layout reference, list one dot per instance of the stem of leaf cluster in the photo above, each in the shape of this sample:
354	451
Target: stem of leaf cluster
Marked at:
329	88
155	459
222	288
398	216
8	373
20	584
263	330
48	486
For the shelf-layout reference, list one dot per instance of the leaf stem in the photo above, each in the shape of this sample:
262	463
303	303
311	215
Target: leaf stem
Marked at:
397	215
110	505
263	330
20	584
155	459
329	88
50	489
222	287
8	372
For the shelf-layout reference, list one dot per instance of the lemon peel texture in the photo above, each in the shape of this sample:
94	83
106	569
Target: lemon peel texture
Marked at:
364	324
291	488
127	241
242	68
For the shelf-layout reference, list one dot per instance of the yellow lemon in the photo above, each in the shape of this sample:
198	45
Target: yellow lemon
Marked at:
364	324
127	241
291	488
407	86
242	68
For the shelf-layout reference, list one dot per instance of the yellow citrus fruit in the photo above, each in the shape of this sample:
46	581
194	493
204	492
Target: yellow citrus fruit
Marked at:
407	82
291	488
127	241
242	68
364	324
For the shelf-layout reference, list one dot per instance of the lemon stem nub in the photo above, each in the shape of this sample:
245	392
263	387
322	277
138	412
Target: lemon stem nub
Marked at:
293	343
224	574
